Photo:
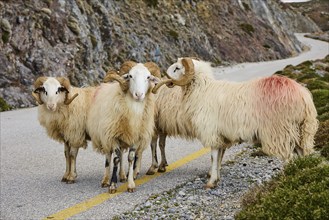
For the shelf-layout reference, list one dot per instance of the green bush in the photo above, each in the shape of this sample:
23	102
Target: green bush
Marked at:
3	105
325	151
317	84
320	97
300	192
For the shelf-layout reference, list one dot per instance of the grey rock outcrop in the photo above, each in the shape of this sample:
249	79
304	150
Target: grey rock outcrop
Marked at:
84	39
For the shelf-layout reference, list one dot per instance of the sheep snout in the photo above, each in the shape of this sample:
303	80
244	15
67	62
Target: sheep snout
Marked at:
51	106
139	96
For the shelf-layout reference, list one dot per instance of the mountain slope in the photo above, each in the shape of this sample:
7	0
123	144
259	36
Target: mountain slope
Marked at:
83	39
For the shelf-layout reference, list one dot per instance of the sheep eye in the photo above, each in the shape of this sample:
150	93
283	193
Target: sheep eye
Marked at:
176	69
130	76
46	93
148	77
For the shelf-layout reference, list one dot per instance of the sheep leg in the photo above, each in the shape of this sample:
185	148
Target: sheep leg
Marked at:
221	152
154	166
131	160
137	163
122	173
106	177
162	145
114	179
73	172
68	163
214	169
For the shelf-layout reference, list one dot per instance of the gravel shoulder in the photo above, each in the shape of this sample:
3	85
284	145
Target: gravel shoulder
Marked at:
191	201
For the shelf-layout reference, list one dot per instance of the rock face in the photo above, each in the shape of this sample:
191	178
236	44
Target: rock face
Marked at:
317	10
83	39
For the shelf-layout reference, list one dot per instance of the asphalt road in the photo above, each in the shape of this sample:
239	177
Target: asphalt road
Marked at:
32	165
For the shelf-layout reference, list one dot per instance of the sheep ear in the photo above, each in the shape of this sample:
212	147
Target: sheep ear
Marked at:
126	67
126	77
62	89
153	68
154	79
39	90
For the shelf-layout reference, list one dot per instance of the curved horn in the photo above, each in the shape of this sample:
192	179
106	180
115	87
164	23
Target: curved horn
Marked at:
116	77
38	85
157	86
106	80
37	97
189	73
69	100
126	66
153	68
40	81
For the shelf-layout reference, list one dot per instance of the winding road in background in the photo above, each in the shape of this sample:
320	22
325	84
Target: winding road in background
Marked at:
32	164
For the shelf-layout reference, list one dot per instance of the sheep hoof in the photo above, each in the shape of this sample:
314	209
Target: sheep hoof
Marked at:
209	186
112	191
70	181
104	185
123	180
64	180
162	169
150	172
131	190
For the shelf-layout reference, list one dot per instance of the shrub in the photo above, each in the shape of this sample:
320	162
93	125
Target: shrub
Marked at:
300	192
325	151
320	97
322	137
248	28
317	84
3	105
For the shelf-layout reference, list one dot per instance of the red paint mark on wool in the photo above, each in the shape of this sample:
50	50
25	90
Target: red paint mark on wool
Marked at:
276	91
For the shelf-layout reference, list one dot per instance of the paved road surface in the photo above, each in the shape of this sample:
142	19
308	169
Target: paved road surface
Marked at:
32	165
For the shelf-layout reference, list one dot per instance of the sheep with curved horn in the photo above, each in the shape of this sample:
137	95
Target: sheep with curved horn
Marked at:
167	119
64	116
275	111
122	116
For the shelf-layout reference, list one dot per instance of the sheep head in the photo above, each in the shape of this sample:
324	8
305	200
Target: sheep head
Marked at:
182	72
52	91
137	78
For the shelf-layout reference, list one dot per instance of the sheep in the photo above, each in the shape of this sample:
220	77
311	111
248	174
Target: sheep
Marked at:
275	111
122	116
64	117
66	122
167	122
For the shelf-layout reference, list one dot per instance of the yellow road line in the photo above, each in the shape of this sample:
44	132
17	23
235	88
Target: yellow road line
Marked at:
99	199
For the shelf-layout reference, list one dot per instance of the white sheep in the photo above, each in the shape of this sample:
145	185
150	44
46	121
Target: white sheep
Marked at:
63	118
122	116
167	123
65	121
275	111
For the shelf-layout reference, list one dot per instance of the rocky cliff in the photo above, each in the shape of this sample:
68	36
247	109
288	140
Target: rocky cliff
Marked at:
317	10
82	39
